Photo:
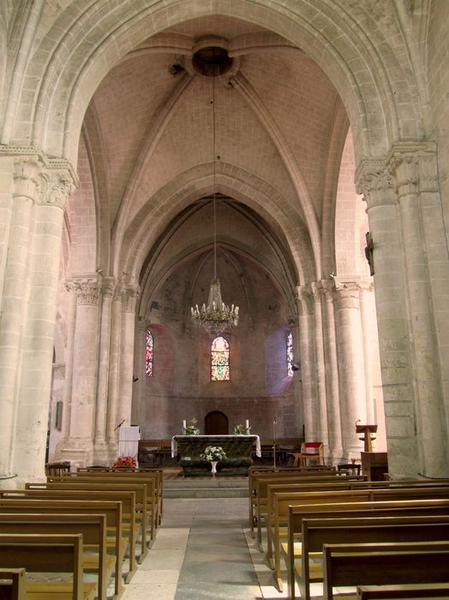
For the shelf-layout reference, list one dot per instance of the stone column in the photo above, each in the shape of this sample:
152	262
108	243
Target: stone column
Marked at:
306	352
20	190
114	374
68	380
129	299
351	367
332	389
79	446
101	450
405	166
366	290
374	181
320	371
37	347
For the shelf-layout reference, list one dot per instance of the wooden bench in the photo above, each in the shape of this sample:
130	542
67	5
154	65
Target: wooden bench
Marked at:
91	527
412	591
112	511
38	553
12	584
258	499
143	473
150	481
142	517
393	508
127	499
280	496
317	532
381	564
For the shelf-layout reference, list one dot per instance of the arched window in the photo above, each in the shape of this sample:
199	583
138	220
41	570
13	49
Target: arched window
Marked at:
219	360
289	347
149	354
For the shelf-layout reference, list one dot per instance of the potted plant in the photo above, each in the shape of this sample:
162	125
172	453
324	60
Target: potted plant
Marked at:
125	462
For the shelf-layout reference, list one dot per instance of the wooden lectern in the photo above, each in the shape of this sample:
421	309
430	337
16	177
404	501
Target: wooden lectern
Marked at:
367	430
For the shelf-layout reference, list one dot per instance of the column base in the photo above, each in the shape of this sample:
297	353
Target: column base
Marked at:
103	453
79	452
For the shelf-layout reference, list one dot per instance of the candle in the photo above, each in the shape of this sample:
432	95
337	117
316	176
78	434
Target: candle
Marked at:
247	423
184	424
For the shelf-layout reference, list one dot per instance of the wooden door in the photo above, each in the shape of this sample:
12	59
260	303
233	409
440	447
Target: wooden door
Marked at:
216	423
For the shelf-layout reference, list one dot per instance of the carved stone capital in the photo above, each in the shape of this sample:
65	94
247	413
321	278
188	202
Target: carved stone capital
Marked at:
328	287
56	189
27	178
87	291
375	183
414	166
316	291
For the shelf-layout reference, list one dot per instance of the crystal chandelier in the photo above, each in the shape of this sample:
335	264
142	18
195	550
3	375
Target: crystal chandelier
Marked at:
216	316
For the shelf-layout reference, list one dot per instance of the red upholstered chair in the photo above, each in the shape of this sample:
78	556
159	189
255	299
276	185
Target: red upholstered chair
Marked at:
311	453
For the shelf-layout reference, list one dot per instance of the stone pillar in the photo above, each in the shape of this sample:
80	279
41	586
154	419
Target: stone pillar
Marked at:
374	181
68	380
306	352
79	446
351	365
366	290
114	374
34	387
20	190
128	320
320	371
419	236
332	389
101	450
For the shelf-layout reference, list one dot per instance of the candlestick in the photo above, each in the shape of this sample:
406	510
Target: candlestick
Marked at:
184	425
247	423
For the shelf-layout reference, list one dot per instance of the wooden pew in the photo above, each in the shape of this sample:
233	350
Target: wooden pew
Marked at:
281	495
149	481
144	473
127	499
48	553
411	591
258	500
384	564
317	532
91	527
393	508
112	512
12	584
140	491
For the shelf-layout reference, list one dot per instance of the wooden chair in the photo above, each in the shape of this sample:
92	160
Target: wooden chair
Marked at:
311	453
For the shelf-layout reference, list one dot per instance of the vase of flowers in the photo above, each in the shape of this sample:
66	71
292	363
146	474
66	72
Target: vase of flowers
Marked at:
213	454
192	428
125	462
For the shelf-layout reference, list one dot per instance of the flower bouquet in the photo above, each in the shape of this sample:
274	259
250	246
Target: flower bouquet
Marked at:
192	428
242	430
125	462
213	453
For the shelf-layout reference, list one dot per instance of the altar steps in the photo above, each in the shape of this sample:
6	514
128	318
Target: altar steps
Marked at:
199	487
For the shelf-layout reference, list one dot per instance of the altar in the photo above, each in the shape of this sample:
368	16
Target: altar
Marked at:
238	449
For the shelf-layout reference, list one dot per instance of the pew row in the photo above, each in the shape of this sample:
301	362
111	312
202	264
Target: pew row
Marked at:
384	563
292	551
120	536
410	591
317	532
92	527
36	552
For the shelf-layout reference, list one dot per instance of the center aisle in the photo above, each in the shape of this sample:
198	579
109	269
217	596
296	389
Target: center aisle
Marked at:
200	553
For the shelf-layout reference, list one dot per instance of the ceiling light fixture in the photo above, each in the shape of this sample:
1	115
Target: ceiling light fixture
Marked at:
216	316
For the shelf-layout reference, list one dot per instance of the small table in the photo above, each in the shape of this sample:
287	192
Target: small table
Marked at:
349	466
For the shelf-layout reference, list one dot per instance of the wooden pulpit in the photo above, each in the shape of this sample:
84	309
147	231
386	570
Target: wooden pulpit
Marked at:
367	440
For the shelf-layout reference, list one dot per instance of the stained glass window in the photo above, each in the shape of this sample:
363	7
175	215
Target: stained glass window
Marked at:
290	354
149	354
219	360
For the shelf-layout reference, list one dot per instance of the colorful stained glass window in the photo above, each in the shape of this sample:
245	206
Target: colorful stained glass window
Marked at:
219	360
290	354
149	354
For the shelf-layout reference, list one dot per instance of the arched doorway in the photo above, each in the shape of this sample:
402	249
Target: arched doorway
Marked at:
216	423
